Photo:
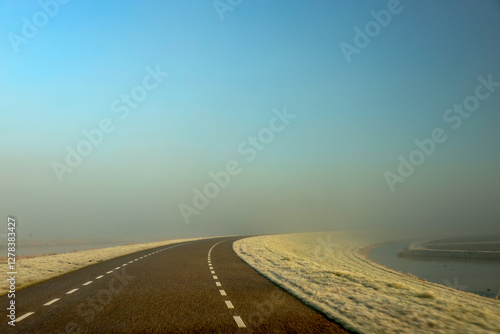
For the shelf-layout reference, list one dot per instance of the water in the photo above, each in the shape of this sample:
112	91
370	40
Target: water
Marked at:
59	249
39	247
479	277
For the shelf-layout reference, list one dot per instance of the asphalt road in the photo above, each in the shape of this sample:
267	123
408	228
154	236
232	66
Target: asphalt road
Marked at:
194	287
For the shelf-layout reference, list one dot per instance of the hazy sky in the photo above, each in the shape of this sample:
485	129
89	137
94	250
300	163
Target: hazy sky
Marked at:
179	89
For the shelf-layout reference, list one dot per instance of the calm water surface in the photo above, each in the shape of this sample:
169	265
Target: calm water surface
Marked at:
480	277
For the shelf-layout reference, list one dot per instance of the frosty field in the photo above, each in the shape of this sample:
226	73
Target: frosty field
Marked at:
329	272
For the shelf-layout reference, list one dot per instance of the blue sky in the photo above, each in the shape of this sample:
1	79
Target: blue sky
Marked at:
324	171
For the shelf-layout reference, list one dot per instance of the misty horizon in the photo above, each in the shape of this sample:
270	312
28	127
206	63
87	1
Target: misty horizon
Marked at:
131	121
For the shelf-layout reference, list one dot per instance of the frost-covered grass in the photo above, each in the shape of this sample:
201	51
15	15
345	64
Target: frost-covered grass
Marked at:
329	272
33	270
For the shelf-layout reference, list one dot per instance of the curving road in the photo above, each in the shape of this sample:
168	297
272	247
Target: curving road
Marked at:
195	287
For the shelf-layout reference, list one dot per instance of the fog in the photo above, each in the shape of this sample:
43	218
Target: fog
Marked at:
168	120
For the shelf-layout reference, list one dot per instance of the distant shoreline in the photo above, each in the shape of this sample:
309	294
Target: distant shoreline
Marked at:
329	272
474	248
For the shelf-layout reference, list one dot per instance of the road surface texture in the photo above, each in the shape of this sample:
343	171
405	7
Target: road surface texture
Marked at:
194	287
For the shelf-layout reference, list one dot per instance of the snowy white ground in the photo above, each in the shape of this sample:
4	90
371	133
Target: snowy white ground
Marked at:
39	269
329	272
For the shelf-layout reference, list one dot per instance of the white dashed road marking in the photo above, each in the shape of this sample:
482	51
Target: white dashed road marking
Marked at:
101	276
239	322
229	304
51	302
24	316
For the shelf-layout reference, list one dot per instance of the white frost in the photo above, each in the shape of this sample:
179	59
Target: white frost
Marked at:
329	272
